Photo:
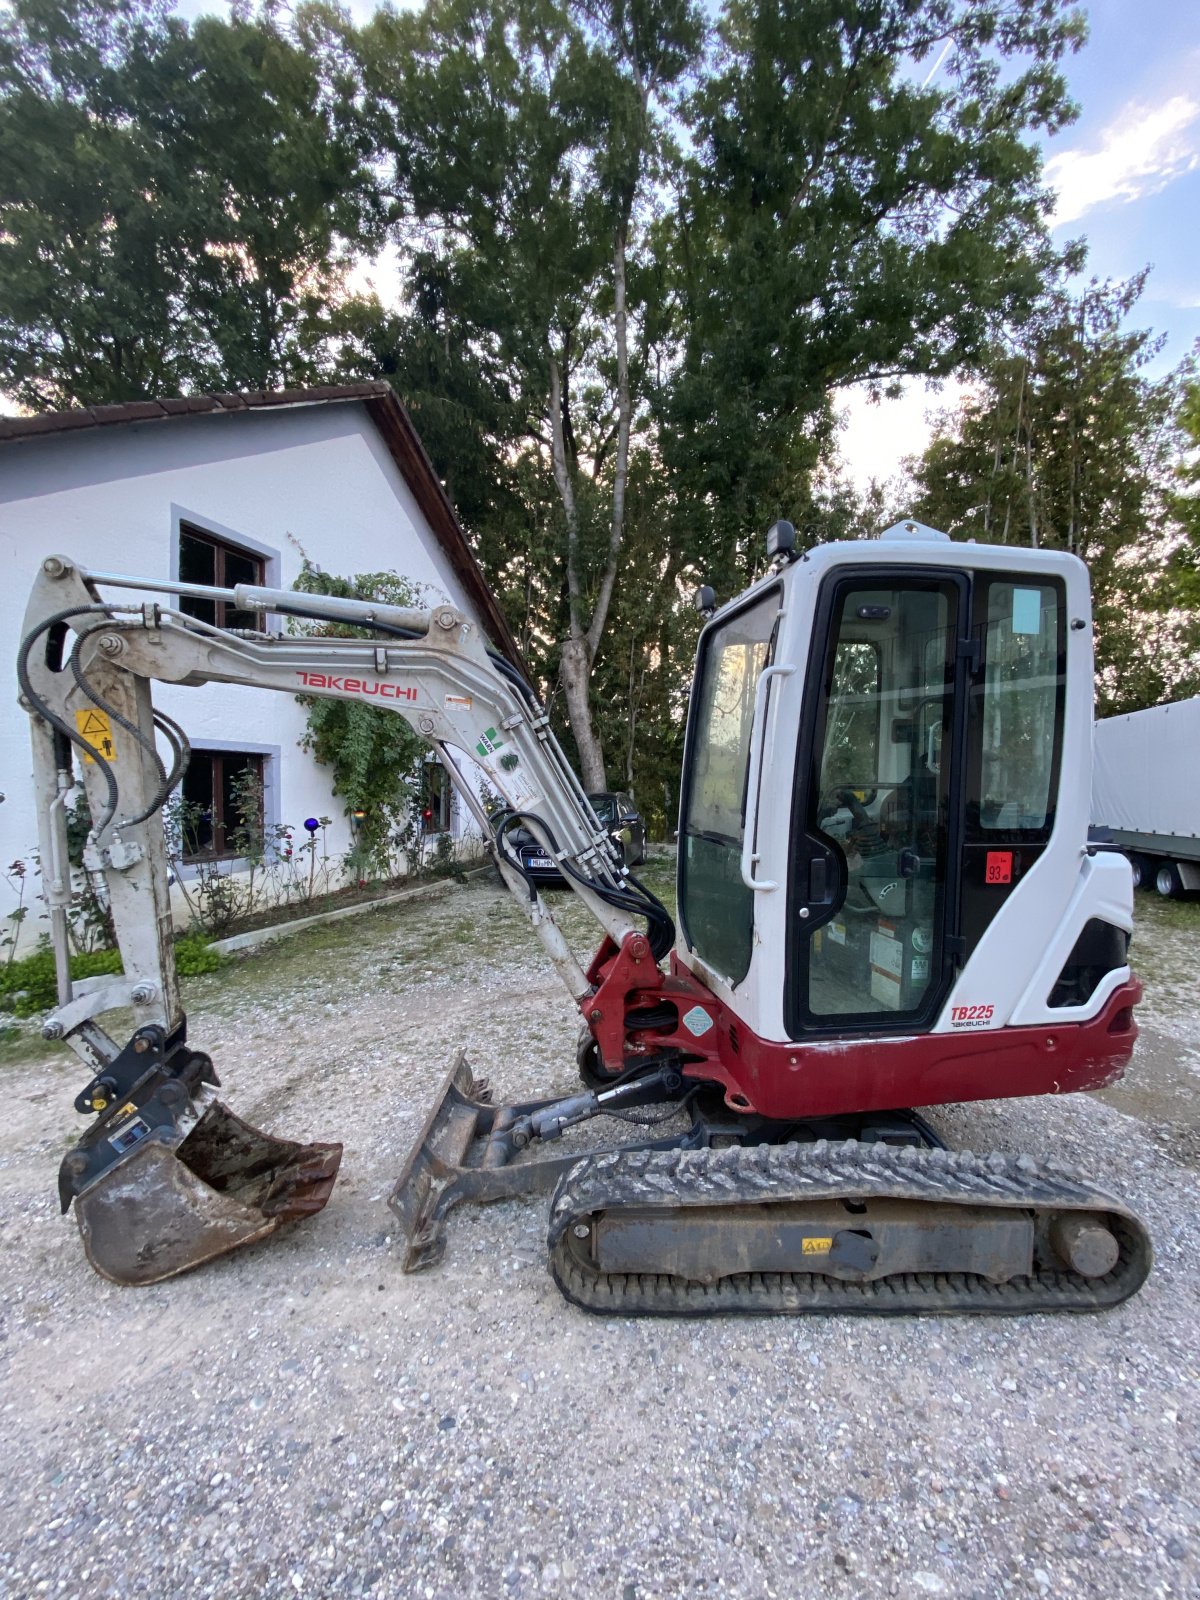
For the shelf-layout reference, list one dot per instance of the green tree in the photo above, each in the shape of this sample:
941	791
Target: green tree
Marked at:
1067	444
177	205
526	139
863	202
1181	588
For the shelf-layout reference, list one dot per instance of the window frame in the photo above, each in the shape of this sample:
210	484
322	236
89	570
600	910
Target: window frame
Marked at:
799	1021
185	519
221	851
710	959
977	701
221	548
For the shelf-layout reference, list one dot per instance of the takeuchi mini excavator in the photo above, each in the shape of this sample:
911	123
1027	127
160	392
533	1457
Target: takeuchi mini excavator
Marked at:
887	899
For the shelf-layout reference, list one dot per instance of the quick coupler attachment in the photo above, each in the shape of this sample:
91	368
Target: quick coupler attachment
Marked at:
167	1177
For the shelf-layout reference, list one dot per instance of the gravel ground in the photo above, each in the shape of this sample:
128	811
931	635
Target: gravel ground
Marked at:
302	1419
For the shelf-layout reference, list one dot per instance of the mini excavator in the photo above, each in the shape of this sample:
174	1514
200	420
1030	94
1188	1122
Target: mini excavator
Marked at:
887	900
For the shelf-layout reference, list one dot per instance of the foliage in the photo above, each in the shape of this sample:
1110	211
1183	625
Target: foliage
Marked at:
845	219
525	142
195	955
270	868
16	875
29	986
1066	444
642	257
178	203
640	248
90	922
374	755
1180	596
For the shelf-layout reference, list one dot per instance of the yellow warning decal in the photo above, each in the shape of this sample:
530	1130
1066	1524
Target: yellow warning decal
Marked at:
96	728
817	1247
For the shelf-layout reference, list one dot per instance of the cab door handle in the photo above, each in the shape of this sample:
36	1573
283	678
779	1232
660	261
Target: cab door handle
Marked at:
818	880
758	733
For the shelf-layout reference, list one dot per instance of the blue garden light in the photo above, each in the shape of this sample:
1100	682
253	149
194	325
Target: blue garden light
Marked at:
312	824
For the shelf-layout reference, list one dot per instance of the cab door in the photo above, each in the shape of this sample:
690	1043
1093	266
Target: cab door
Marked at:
873	882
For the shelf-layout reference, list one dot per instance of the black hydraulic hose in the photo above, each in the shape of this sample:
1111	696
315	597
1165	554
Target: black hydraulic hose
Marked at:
167	726
660	926
56	722
111	711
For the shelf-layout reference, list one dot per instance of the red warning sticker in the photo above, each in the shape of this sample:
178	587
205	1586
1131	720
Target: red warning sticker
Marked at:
998	868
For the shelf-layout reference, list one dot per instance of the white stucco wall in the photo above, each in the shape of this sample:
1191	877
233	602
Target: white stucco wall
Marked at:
317	476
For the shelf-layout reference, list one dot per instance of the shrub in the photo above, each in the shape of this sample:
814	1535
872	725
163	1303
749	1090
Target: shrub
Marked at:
29	986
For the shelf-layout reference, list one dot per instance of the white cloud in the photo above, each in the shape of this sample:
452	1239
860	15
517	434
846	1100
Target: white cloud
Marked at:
1141	151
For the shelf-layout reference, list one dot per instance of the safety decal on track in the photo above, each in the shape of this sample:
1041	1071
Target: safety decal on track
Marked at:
697	1021
96	728
816	1247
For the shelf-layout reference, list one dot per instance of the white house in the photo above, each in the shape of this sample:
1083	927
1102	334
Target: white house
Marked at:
224	489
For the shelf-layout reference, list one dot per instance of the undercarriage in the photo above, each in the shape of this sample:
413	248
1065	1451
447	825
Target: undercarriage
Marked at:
866	1213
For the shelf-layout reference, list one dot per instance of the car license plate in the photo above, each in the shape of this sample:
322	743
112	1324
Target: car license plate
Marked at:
538	861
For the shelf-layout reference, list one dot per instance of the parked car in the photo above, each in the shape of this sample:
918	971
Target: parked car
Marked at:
619	815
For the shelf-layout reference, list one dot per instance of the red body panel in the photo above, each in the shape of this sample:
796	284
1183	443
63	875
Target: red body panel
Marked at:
825	1077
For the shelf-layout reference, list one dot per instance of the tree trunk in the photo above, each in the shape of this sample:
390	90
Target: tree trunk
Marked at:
576	672
580	648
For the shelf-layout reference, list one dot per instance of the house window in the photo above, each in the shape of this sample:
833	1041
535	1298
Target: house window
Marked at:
222	805
203	558
435	798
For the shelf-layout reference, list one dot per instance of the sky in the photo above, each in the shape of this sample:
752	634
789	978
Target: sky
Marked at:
1127	176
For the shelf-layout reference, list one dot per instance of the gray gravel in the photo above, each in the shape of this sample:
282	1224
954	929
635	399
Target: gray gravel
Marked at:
302	1419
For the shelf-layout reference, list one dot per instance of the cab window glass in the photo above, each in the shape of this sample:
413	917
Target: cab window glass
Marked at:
716	907
1017	707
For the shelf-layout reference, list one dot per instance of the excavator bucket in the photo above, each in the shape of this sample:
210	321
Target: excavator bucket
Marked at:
168	1177
163	1211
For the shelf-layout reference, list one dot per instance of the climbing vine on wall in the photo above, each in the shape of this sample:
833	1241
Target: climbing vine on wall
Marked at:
374	755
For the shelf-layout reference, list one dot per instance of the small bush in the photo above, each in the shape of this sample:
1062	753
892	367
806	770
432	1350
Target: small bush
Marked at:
28	986
194	955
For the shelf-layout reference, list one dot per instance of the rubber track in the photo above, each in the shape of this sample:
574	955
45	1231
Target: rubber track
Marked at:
796	1172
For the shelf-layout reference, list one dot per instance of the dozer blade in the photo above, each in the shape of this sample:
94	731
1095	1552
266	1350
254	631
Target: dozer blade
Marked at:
167	1177
467	1151
164	1210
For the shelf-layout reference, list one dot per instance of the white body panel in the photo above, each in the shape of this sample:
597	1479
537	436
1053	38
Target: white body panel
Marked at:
1019	957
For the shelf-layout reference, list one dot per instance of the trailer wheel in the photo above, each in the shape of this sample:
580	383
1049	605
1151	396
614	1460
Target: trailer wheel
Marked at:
1143	870
1168	881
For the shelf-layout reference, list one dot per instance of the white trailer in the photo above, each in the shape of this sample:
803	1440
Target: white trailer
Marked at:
1146	793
